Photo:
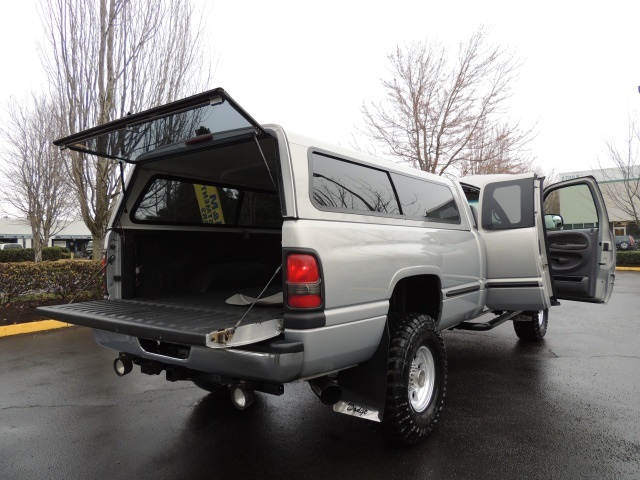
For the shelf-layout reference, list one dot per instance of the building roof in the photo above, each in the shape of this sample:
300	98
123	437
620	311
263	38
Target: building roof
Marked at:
19	228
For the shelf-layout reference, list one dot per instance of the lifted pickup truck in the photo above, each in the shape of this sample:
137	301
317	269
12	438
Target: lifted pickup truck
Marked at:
302	261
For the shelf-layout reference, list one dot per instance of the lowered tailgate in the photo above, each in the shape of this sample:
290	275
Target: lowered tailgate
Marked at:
183	319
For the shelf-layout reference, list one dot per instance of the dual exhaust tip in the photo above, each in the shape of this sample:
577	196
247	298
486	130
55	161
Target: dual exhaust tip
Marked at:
242	396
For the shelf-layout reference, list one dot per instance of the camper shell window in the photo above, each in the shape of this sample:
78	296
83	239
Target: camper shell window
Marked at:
176	201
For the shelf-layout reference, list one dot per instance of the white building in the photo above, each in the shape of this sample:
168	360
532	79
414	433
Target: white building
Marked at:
612	182
74	236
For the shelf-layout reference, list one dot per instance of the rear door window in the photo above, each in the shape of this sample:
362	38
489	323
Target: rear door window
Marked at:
508	205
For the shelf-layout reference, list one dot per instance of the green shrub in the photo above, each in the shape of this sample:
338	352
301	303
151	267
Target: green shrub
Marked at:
68	279
21	255
18	279
50	254
630	258
64	279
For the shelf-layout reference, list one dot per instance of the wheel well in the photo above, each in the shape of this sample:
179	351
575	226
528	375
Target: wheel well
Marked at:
419	294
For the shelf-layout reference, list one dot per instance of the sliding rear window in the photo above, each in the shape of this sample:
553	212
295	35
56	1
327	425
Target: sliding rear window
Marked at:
183	202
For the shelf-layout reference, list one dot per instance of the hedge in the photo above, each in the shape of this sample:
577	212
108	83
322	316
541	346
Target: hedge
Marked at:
28	254
629	258
64	279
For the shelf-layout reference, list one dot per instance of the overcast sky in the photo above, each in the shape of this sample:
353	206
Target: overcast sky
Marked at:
310	65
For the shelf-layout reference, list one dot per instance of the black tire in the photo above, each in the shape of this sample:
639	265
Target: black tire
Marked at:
531	326
414	399
624	246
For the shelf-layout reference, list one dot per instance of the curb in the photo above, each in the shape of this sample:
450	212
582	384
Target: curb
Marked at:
32	327
44	325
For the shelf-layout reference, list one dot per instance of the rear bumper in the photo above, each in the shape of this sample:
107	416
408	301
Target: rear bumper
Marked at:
273	361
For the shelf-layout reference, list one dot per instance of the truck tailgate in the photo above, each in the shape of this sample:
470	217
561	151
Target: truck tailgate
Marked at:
186	319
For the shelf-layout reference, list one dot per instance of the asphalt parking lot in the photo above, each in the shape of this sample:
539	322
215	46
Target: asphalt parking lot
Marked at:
564	408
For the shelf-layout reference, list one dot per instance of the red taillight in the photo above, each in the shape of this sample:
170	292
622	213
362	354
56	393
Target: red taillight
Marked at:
303	281
304	301
302	269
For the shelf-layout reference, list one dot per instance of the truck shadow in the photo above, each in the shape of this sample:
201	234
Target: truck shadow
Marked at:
496	402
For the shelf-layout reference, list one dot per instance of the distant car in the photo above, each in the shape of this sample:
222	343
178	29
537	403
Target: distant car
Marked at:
10	246
89	249
625	242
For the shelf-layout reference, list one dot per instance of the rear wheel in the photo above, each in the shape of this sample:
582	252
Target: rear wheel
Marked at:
416	378
531	326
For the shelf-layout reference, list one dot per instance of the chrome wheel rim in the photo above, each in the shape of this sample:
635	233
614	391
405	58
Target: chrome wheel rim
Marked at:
541	317
422	379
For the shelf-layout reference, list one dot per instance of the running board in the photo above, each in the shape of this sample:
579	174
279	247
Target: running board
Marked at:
482	327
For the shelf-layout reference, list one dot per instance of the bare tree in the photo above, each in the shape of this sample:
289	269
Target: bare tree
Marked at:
445	116
35	182
107	58
622	182
499	149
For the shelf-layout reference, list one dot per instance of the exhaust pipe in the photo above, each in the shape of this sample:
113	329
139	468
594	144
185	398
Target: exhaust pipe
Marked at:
122	365
242	396
326	390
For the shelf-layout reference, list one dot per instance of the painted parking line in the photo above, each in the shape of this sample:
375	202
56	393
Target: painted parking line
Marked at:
31	327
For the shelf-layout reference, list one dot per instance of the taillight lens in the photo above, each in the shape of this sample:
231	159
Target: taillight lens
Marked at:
302	269
303	281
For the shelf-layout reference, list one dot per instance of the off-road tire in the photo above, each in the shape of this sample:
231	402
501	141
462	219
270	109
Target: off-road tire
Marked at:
413	407
531	326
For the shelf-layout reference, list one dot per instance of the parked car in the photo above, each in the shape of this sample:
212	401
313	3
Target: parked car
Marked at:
625	242
89	249
10	246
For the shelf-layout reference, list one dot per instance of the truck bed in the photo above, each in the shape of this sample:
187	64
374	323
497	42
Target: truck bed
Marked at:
186	318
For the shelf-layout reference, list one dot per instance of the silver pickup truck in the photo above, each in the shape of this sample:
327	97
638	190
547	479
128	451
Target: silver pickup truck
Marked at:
242	257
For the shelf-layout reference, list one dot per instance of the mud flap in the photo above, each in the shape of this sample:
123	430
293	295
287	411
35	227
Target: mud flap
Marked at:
364	388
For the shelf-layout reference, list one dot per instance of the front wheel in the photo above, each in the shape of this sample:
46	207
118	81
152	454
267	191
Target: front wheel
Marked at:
531	326
416	378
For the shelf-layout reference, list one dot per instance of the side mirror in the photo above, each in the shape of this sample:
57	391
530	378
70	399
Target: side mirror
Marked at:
553	221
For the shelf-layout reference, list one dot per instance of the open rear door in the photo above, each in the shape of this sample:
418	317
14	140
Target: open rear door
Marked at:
511	227
581	246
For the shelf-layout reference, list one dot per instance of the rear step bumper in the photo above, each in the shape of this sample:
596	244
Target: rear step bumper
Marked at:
179	329
273	361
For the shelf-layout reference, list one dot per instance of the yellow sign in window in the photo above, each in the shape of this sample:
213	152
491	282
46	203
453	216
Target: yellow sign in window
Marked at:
209	203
